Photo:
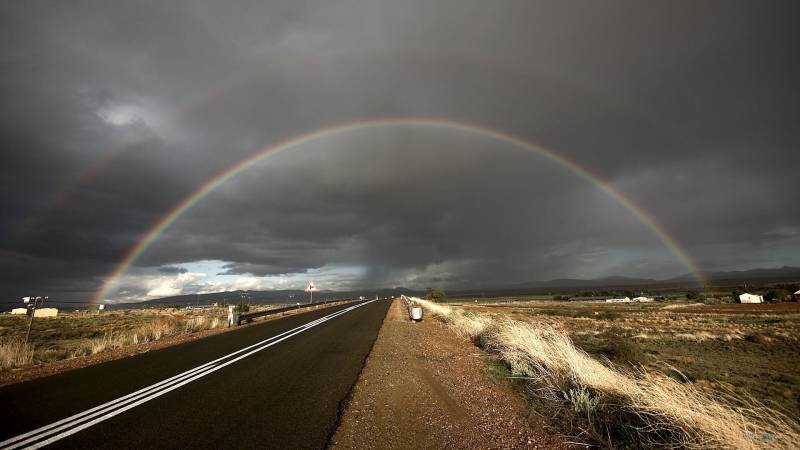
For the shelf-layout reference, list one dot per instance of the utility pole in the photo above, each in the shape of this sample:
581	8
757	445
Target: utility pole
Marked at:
31	302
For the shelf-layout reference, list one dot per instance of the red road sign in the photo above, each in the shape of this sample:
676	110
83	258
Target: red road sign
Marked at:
312	287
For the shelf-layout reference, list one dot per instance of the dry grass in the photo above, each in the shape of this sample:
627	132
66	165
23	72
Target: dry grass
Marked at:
15	353
148	332
753	349
83	335
698	336
682	413
201	323
681	305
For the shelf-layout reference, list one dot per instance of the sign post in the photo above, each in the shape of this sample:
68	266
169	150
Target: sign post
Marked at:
231	318
311	288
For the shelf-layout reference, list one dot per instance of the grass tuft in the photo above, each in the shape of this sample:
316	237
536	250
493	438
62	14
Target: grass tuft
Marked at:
496	370
15	353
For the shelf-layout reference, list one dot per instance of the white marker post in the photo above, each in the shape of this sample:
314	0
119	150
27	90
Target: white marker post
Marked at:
311	288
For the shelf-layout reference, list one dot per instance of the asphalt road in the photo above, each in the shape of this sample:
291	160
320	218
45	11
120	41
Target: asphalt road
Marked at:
279	384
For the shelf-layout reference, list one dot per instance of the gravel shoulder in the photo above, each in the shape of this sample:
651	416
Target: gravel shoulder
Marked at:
424	387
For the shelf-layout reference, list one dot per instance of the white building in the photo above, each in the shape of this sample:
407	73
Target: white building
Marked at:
643	299
618	300
46	312
751	298
20	311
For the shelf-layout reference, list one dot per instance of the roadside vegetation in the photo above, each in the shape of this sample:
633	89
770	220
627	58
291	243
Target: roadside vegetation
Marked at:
77	334
748	349
614	396
435	294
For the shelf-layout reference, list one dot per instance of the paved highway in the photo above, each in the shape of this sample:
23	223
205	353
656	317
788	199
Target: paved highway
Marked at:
279	384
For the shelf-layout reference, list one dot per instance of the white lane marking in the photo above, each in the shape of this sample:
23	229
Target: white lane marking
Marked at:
156	390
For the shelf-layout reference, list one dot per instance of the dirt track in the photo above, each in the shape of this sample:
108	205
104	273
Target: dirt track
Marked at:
423	387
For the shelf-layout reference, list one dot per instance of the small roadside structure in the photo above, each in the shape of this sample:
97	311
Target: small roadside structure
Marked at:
46	312
751	298
19	311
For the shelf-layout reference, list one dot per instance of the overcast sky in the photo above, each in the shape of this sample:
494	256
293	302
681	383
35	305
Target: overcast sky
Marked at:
113	112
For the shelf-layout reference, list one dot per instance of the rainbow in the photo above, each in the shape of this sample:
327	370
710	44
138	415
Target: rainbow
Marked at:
434	123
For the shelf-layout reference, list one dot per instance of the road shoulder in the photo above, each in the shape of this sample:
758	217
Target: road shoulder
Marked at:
423	387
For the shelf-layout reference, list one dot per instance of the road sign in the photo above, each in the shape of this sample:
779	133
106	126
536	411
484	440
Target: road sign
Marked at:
312	287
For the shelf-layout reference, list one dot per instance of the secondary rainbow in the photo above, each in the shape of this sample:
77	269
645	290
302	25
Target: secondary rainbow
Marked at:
434	123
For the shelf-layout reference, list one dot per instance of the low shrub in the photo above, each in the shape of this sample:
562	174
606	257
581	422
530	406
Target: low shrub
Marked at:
623	351
15	353
582	400
496	370
608	315
757	338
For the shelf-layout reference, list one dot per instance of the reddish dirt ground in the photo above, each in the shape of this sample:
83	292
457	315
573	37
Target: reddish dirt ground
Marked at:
423	387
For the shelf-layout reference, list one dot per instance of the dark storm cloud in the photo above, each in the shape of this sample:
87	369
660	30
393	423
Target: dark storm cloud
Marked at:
113	113
172	270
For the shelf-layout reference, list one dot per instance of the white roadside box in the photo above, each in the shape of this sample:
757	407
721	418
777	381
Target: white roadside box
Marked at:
416	313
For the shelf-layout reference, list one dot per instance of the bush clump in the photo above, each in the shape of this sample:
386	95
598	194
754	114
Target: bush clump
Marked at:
496	370
623	351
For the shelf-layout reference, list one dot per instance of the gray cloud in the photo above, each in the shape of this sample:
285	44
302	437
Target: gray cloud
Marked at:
114	113
172	270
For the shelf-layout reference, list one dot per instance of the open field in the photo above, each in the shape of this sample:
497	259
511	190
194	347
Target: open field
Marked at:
77	334
748	349
606	373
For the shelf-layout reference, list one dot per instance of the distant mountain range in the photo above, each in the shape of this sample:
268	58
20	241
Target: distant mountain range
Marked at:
777	274
785	273
277	296
738	277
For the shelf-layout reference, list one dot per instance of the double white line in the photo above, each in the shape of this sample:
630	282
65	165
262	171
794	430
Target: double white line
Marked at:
75	423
